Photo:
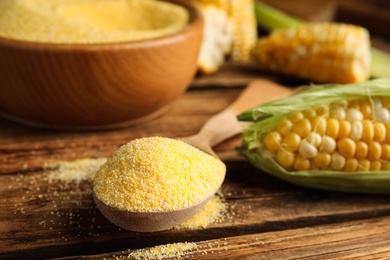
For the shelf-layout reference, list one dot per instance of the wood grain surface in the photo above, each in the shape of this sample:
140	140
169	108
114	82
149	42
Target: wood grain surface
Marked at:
267	218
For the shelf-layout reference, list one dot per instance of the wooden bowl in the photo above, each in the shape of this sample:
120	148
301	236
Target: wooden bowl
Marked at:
97	86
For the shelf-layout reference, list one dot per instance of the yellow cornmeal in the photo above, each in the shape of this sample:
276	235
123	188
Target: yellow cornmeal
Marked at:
157	174
163	251
76	171
85	169
89	21
213	211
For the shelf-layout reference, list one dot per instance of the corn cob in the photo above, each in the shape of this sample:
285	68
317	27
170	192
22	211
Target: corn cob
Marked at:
244	30
217	38
223	4
330	136
270	18
321	52
230	29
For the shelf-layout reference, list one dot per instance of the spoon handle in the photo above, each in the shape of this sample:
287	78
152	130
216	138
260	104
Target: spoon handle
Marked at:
258	92
225	124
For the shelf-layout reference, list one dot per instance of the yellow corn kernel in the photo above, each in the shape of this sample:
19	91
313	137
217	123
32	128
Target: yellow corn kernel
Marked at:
328	144
346	147
337	112
375	166
381	114
284	127
344	129
361	150
285	158
374	151
338	162
366	108
318	125
387	126
364	165
319	52
307	150
376	102
295	117
354	114
322	111
302	127
332	128
356	130
386	102
354	104
273	141
291	142
379	132
368	131
314	139
309	113
301	164
322	160
351	165
385	155
342	103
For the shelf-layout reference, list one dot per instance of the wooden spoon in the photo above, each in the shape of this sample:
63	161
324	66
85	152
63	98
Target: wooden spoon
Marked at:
148	221
217	129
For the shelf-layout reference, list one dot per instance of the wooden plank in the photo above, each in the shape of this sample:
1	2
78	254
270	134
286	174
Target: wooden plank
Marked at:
46	219
337	241
43	219
23	148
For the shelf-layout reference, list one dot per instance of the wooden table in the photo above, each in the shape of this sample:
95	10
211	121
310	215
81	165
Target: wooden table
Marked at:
268	218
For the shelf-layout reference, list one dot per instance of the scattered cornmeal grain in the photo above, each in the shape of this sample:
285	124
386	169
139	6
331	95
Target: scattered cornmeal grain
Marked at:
157	174
212	212
75	171
163	251
90	21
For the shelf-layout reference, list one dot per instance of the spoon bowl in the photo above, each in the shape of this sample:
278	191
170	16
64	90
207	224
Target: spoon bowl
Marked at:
149	221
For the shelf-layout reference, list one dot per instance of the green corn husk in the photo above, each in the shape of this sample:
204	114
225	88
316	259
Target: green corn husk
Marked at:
265	117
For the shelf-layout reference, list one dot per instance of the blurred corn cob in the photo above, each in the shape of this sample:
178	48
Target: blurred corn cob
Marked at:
325	136
270	19
244	28
230	29
321	52
217	38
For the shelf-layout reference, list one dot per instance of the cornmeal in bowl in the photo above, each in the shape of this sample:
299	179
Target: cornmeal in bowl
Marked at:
90	21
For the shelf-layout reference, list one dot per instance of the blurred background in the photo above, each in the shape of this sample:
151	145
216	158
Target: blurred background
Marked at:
371	14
